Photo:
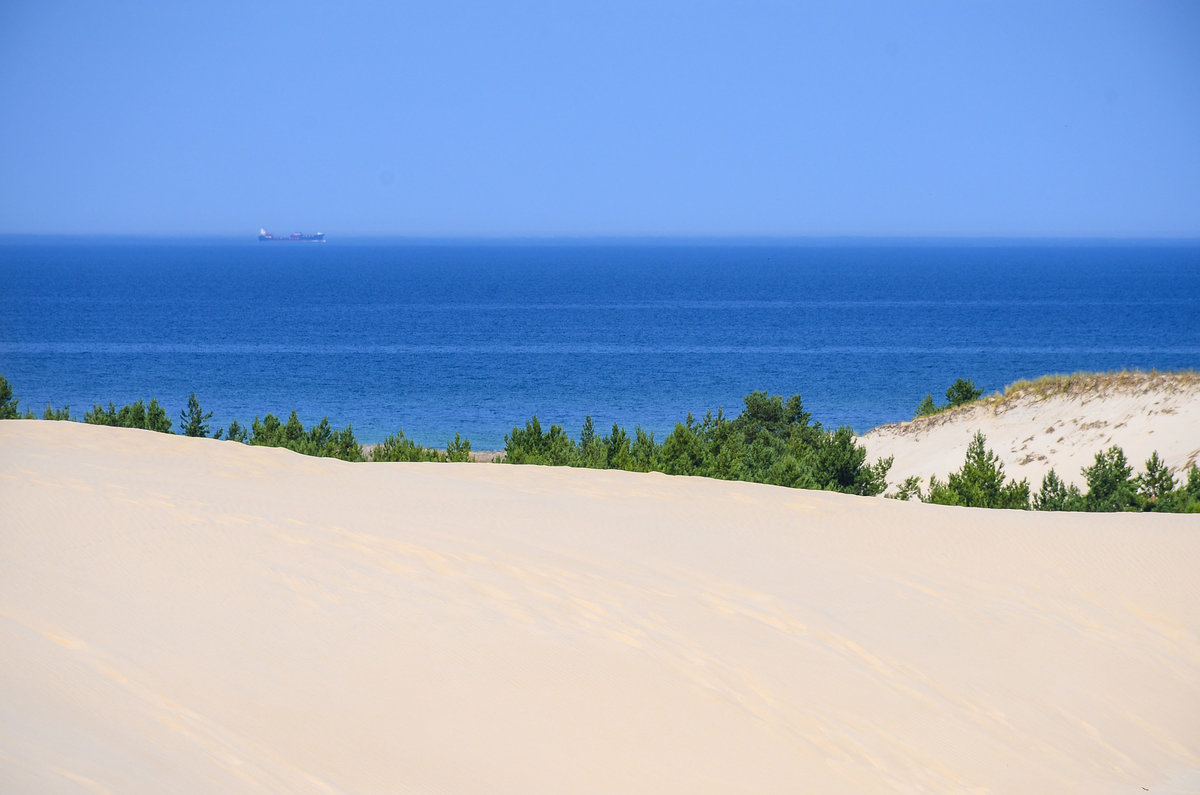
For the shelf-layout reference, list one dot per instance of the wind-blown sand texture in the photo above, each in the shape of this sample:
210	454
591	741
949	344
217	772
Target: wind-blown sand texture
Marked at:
1060	424
189	615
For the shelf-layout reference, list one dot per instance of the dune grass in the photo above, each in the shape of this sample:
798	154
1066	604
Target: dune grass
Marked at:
1084	383
1073	385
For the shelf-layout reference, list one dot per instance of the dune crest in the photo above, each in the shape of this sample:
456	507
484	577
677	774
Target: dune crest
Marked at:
192	615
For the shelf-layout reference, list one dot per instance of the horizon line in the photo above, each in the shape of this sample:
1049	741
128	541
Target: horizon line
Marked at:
602	238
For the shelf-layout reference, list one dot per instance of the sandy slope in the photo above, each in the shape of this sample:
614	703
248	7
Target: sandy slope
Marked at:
190	615
1140	412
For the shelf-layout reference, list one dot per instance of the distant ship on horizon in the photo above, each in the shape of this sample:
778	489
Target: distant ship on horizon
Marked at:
294	237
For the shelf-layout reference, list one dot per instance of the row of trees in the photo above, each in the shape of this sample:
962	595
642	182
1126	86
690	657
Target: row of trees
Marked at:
149	417
319	440
399	447
770	441
1111	486
145	416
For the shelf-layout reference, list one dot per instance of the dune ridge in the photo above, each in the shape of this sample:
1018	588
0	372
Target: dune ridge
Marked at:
193	615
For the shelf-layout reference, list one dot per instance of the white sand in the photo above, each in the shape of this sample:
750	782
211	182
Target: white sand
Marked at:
1140	413
189	615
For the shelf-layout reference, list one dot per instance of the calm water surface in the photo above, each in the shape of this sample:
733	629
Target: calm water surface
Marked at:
474	338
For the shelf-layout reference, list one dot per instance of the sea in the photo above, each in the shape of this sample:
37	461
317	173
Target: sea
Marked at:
475	337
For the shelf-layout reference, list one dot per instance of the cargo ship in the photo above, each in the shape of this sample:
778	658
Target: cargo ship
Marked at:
294	237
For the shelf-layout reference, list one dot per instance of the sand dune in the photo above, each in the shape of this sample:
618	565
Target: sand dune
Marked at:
198	616
1033	431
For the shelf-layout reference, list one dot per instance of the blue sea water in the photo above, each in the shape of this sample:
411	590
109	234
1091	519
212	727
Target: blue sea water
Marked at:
445	337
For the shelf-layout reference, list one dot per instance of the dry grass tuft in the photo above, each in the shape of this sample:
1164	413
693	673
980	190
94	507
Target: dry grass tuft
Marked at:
1137	382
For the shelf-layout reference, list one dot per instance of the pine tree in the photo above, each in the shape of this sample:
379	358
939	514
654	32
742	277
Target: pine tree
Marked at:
1057	496
1110	483
926	406
963	391
8	403
458	449
592	452
237	432
644	452
616	449
1157	482
980	483
193	421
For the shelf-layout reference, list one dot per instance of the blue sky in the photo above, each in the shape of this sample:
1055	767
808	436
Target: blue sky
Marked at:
599	119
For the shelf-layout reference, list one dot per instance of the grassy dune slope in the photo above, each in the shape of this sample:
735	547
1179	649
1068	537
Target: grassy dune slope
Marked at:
1054	421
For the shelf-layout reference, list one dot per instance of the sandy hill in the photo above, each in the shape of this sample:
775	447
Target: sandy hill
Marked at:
1057	422
188	615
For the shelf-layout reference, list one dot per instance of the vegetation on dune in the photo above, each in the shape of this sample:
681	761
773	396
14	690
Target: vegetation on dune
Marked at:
399	447
960	393
193	421
10	410
8	401
1057	496
149	417
52	413
319	440
963	392
1085	383
1111	486
1185	498
980	483
771	441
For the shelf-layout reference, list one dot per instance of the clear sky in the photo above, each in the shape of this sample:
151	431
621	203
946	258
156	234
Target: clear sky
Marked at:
601	118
